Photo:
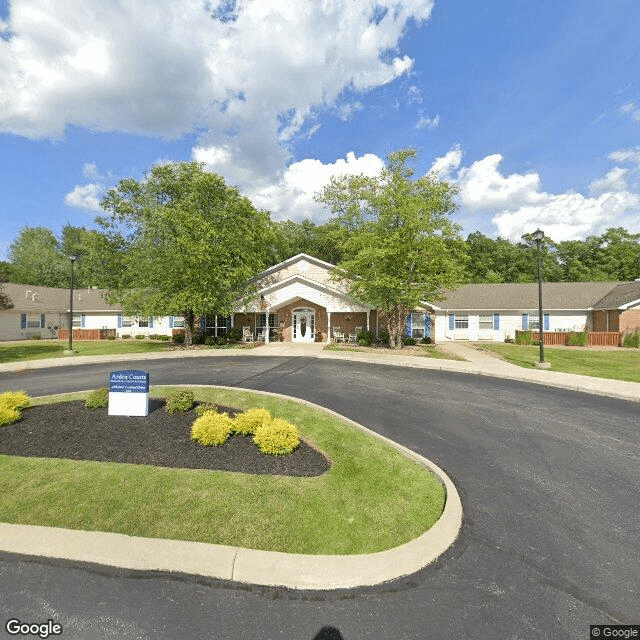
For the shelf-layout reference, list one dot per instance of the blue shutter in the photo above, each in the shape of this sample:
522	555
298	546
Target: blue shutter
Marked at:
496	321
545	325
228	323
170	322
82	320
119	321
150	322
203	322
23	320
407	329
452	321
42	321
525	321
427	325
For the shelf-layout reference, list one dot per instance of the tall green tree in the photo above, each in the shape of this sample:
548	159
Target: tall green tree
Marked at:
37	259
320	241
5	301
182	242
400	248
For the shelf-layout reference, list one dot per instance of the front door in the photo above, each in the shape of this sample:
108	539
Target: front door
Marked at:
304	325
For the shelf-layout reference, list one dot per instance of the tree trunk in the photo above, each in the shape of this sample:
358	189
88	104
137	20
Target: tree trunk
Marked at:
395	320
189	319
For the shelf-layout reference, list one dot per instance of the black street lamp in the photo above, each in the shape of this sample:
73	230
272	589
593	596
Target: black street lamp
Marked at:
538	236
73	257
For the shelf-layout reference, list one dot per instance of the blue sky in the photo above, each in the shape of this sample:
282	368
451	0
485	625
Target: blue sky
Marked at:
532	109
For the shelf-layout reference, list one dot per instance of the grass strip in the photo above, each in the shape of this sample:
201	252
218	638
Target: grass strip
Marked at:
373	498
614	365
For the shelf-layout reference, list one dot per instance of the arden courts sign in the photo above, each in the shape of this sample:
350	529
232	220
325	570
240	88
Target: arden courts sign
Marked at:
129	393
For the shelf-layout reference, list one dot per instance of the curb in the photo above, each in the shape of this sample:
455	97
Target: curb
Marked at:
251	566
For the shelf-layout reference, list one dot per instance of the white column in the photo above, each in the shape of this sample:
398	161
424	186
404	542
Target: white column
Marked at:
266	335
328	326
368	313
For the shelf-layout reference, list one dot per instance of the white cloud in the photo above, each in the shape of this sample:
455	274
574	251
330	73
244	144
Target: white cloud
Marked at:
631	109
431	123
90	170
517	205
86	197
292	196
247	83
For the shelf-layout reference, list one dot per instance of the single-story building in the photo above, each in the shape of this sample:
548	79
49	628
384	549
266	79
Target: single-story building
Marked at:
297	301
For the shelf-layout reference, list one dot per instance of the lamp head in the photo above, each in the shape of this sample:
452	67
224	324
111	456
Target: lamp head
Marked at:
73	257
538	235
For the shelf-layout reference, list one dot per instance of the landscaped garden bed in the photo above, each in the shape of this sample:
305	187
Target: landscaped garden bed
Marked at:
350	493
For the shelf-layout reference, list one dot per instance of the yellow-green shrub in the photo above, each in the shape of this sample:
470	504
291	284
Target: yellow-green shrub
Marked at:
10	404
212	428
277	437
248	422
14	400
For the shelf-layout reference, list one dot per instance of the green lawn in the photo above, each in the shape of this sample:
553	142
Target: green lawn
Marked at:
37	349
417	351
623	364
373	498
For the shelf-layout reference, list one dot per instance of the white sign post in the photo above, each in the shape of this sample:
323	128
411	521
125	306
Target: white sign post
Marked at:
129	393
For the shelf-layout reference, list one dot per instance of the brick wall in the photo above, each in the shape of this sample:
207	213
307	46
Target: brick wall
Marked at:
630	320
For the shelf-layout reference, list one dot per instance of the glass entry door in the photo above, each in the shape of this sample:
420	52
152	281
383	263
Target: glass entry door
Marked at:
304	325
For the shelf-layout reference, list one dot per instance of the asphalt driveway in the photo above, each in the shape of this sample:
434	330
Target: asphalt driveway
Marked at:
549	481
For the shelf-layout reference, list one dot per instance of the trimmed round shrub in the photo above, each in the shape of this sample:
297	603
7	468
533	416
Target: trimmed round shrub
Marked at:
366	337
97	399
203	407
409	341
8	415
178	338
10	404
277	437
426	340
212	428
180	400
247	423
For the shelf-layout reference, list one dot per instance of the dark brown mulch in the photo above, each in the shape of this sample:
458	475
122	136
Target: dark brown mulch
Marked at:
70	430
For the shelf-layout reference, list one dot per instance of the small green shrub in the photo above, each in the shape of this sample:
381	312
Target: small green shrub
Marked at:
384	337
524	337
97	399
247	423
577	339
140	336
178	338
164	338
234	334
409	341
180	400
426	340
8	416
277	437
202	408
509	339
111	337
212	428
631	340
210	341
365	336
198	338
125	336
35	336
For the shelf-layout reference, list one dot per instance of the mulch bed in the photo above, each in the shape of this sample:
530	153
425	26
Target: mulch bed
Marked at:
70	430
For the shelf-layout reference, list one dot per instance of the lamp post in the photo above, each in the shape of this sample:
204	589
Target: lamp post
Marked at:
73	257
538	236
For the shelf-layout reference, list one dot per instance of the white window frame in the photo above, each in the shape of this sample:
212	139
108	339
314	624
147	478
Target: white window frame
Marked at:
77	321
178	322
417	325
143	323
127	321
534	321
487	320
461	322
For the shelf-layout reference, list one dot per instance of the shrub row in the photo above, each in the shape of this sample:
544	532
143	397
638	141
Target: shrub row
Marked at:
11	402
273	436
631	340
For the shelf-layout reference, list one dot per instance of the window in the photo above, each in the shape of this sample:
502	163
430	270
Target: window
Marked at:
178	322
417	325
127	321
534	321
215	324
77	320
273	320
143	322
462	321
485	322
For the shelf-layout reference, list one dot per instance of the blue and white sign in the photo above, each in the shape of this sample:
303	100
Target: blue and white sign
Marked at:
129	393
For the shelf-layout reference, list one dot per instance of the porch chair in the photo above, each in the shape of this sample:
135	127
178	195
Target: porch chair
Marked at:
338	336
246	334
353	337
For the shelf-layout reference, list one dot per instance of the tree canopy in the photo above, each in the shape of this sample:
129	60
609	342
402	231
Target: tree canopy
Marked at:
400	248
181	242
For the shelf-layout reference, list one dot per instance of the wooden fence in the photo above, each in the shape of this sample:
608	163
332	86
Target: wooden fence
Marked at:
87	334
594	338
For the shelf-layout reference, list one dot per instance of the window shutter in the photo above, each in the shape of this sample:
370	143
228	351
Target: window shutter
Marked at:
119	321
452	321
203	323
170	322
545	326
427	325
525	321
23	320
407	328
228	323
42	321
496	321
82	320
150	322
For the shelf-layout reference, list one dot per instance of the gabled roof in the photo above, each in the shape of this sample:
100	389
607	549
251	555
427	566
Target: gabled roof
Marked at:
297	258
624	295
33	299
524	296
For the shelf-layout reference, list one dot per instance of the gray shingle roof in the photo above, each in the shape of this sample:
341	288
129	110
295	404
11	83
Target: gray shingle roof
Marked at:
31	298
518	296
624	293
